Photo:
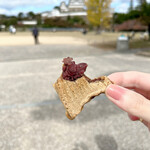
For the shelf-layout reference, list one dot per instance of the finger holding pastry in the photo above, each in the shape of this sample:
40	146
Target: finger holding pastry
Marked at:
131	94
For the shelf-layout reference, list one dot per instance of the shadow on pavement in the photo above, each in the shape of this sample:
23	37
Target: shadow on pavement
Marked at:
106	142
53	109
80	146
99	107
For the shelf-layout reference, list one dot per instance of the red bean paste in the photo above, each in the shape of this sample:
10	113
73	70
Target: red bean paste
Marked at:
71	70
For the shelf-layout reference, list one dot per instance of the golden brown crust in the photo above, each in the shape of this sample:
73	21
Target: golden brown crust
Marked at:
75	94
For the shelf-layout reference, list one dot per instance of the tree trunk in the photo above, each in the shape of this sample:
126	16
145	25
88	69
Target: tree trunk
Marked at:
98	30
149	31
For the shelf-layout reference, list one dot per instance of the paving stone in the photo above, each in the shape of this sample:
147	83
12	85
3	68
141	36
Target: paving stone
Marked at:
32	116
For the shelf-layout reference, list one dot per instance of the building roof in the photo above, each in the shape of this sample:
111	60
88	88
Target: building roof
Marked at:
52	15
131	25
76	4
65	10
28	22
63	7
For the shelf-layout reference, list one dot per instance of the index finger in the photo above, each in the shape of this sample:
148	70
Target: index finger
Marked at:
131	79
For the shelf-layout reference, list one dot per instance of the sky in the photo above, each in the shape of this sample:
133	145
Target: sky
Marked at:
13	7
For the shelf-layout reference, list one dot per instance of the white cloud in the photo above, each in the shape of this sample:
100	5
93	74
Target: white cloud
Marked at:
3	11
17	3
10	12
10	7
13	7
120	5
126	1
123	8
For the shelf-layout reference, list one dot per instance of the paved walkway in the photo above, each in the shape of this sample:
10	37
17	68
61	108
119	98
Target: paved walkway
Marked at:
33	118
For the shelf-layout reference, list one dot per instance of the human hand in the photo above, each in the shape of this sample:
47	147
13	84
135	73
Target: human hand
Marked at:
131	93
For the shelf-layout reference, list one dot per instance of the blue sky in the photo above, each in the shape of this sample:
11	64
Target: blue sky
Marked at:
13	7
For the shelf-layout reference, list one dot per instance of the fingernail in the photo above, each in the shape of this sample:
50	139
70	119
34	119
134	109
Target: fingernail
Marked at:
115	91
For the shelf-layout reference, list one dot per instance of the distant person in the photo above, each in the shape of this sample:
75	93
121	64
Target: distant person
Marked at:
12	29
84	31
35	33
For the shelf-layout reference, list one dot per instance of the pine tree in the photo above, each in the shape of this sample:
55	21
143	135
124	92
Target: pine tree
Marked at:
99	14
131	5
142	1
145	15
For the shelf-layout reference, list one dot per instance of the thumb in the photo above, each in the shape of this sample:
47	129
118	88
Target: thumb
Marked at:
129	101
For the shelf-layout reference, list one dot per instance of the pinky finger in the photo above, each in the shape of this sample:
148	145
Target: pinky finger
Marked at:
133	118
146	124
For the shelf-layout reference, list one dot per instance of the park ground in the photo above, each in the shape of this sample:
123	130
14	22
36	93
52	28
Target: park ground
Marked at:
31	114
105	40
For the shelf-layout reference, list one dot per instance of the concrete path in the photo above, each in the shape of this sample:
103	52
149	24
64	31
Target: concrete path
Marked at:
33	118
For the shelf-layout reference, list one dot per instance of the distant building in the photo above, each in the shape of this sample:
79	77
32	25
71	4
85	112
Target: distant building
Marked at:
63	7
74	8
130	25
2	27
28	22
76	5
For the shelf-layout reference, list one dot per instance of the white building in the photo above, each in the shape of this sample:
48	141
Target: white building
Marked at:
28	22
76	5
74	8
63	7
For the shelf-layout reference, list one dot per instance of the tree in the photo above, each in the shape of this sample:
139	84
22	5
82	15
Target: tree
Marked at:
119	18
31	15
99	13
145	15
38	18
142	1
20	16
12	20
131	5
57	7
76	21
